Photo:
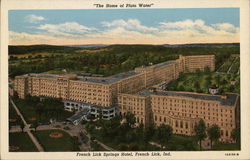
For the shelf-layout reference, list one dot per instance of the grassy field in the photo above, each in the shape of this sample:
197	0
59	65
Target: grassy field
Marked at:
13	117
183	143
227	64
226	146
23	141
29	112
119	141
235	66
64	143
200	82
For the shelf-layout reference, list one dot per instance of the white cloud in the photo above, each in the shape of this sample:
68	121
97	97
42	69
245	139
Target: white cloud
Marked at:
66	29
226	27
186	24
131	24
131	32
34	18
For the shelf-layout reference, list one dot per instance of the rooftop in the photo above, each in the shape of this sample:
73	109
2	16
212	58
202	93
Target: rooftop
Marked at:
78	115
229	100
110	79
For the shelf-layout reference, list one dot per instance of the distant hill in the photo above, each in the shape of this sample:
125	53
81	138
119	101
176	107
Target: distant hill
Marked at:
89	46
200	45
39	48
116	47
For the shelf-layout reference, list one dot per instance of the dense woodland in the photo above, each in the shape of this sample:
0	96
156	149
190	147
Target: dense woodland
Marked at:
107	60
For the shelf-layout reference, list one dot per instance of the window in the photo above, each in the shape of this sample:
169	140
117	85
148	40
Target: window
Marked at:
221	132
176	123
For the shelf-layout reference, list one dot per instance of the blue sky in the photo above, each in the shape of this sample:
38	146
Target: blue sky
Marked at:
156	26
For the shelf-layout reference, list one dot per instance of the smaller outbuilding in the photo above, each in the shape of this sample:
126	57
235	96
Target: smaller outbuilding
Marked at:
213	89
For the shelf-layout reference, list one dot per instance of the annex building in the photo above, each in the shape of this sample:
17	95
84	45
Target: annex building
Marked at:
129	92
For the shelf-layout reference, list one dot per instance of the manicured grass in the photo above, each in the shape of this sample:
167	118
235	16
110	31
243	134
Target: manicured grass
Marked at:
226	65
200	82
64	143
29	111
176	143
13	115
236	66
22	140
96	146
226	146
182	143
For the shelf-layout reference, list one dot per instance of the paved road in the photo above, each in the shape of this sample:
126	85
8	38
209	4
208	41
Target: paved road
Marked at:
32	137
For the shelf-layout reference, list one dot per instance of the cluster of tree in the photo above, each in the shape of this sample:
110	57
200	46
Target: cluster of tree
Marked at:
201	82
115	59
129	137
213	133
40	48
44	108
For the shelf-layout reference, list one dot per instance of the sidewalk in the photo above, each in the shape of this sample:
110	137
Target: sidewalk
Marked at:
26	129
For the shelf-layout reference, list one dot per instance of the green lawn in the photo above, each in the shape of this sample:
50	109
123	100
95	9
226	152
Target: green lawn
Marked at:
64	143
176	143
96	146
183	143
226	146
226	65
23	141
29	111
13	116
200	82
236	66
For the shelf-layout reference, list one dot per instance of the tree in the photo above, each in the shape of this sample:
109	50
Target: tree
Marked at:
196	85
130	118
149	132
35	125
207	69
181	88
164	133
213	133
235	134
39	109
200	131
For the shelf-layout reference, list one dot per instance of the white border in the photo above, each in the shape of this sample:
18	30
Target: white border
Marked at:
78	4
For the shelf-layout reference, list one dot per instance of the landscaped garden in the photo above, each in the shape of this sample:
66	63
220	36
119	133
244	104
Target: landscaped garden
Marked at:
35	111
14	119
125	137
56	140
201	82
20	142
235	67
226	146
231	65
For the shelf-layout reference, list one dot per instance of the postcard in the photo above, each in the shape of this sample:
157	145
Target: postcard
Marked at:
125	80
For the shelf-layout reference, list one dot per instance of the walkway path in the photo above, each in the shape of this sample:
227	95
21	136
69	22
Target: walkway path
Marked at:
32	137
228	71
104	146
73	131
